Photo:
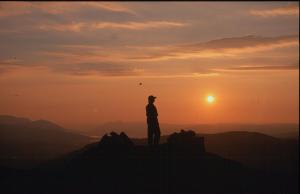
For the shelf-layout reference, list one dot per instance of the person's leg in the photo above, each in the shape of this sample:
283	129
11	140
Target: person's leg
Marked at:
157	132
156	135
150	136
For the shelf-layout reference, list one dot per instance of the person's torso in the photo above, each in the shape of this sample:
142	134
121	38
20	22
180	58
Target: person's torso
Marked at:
151	110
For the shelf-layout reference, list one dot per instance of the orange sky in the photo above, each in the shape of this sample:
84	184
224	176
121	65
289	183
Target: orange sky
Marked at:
81	63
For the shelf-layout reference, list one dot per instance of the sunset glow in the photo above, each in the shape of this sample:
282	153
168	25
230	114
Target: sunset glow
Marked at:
152	97
80	63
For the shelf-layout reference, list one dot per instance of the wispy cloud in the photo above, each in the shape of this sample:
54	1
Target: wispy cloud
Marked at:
112	6
20	8
80	26
9	65
100	69
227	47
8	9
65	7
288	10
71	27
76	68
138	25
193	57
260	68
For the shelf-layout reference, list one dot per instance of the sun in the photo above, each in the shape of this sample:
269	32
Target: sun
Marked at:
210	99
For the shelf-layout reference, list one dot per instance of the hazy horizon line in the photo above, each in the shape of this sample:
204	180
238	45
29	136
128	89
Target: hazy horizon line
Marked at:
162	123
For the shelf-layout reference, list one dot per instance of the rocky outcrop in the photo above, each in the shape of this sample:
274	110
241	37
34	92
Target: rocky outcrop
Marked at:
186	141
115	141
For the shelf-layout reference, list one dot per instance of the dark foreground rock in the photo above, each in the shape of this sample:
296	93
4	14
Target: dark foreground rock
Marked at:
115	165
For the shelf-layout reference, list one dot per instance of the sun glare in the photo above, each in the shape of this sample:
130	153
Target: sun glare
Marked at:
210	99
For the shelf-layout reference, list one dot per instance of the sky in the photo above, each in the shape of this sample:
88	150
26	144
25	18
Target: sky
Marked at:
85	63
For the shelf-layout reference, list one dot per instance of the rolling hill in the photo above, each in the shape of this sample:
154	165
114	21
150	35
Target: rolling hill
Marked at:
253	149
24	142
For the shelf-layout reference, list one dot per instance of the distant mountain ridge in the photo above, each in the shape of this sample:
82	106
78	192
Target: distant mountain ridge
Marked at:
20	121
12	120
23	141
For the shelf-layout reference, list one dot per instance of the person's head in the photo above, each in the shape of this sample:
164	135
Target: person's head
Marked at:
151	99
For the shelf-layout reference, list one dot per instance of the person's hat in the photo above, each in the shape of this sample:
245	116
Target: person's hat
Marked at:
151	97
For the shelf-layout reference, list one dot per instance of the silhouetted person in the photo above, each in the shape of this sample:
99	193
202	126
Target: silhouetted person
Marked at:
152	122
